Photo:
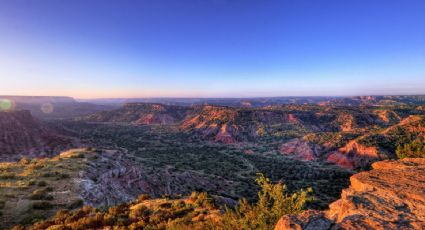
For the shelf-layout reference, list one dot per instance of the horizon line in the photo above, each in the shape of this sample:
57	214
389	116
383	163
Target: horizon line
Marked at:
249	97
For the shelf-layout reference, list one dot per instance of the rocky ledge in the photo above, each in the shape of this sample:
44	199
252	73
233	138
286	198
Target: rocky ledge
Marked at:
390	196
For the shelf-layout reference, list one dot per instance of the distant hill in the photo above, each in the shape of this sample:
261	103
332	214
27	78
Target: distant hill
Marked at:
271	101
21	135
142	114
228	124
46	107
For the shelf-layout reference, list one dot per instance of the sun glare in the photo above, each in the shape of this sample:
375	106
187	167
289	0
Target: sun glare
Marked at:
47	108
6	105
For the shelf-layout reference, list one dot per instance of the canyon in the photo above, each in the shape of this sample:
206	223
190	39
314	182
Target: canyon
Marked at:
174	148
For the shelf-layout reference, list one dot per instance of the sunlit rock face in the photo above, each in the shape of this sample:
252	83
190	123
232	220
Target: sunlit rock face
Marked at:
300	149
232	125
23	136
354	155
390	196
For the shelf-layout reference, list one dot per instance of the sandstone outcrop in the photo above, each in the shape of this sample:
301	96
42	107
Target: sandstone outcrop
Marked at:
354	155
300	149
391	196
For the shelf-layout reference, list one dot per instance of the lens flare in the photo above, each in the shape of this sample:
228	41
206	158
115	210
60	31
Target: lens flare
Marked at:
47	108
6	104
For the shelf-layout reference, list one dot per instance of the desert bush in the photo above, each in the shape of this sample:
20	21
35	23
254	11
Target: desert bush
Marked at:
273	202
40	194
76	204
7	175
62	176
143	197
24	161
79	155
42	183
119	210
18	227
204	200
138	212
165	205
415	149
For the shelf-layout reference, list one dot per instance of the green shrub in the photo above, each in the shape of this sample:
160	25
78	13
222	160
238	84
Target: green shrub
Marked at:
273	202
415	149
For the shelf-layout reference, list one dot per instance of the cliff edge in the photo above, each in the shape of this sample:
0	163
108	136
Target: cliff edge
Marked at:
390	196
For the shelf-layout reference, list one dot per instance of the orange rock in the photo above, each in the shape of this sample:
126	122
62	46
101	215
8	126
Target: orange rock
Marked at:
391	196
300	149
310	219
354	155
341	160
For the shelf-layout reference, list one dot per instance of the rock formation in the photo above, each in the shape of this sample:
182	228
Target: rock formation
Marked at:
300	149
391	196
21	135
354	155
142	114
230	125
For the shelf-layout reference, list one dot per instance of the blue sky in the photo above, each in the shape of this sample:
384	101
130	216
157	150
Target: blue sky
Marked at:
211	48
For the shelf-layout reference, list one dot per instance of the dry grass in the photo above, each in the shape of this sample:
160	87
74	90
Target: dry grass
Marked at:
35	189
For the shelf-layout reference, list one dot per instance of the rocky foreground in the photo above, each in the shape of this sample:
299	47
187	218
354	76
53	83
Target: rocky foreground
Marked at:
391	196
